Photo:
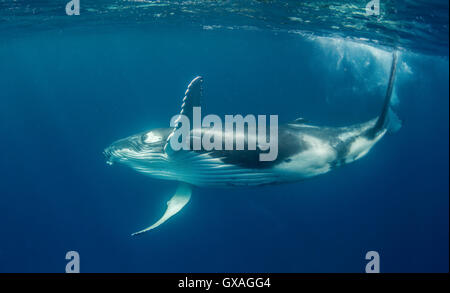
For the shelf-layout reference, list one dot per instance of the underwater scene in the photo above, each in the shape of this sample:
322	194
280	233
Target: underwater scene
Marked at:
224	136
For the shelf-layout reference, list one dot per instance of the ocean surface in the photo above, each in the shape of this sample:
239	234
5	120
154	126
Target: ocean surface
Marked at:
71	85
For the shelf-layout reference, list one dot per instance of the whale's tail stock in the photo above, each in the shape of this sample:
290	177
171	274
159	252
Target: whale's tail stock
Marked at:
387	119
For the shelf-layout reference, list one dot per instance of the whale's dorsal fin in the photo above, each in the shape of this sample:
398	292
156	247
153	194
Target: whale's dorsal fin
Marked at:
192	98
174	205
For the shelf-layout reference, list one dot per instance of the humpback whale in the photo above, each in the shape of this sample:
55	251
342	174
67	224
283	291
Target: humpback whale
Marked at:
305	150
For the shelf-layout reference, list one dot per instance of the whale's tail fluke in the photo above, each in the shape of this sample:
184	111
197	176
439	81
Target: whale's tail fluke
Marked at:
387	118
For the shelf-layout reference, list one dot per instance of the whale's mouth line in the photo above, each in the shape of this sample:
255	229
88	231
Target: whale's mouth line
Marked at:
113	154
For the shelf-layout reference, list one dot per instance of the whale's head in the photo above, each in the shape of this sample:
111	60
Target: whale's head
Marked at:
142	151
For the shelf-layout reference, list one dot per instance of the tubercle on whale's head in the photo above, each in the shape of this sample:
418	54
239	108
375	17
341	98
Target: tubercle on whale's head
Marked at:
108	153
142	147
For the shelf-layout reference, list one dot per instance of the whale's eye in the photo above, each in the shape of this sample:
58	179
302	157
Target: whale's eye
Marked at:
151	137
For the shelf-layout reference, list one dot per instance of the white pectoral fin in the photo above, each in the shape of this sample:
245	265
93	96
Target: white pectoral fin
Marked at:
192	99
174	205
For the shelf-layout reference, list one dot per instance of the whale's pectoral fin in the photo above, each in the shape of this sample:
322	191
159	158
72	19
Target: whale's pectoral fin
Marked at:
192	98
174	205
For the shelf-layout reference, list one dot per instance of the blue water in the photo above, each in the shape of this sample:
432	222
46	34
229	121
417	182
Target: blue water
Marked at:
68	89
